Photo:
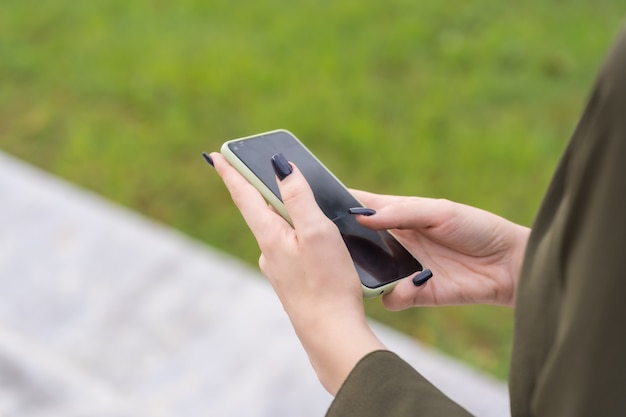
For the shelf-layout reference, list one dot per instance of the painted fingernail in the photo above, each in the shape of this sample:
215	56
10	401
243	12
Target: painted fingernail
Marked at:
208	158
363	211
421	278
281	166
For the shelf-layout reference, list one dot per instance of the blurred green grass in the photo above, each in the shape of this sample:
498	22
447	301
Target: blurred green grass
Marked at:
471	101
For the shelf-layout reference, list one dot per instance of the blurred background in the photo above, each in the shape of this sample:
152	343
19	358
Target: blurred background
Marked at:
468	100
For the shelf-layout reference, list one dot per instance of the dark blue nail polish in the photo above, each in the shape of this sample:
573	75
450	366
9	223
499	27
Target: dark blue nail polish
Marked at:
208	158
421	278
363	211
281	166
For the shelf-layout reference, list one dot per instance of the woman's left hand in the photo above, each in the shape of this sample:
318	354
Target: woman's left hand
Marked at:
311	271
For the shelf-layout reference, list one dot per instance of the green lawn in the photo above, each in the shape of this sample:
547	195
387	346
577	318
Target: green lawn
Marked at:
471	101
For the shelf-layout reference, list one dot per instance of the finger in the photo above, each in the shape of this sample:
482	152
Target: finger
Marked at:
394	211
299	201
409	213
405	295
253	207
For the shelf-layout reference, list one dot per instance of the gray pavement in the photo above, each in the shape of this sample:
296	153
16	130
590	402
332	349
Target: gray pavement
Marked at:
106	313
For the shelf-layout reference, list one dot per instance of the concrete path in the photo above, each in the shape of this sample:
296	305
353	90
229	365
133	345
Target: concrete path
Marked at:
106	313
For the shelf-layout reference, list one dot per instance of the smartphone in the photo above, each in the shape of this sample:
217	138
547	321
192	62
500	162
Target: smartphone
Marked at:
379	258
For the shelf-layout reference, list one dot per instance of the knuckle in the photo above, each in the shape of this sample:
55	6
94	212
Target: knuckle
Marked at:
317	233
237	195
292	192
263	264
441	210
445	205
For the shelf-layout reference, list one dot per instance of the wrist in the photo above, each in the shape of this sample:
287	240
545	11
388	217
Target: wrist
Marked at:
335	342
516	261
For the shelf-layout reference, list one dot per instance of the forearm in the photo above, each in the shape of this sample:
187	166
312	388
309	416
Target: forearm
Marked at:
335	344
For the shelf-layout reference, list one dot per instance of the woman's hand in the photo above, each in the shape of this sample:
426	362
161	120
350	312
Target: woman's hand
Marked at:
475	255
310	269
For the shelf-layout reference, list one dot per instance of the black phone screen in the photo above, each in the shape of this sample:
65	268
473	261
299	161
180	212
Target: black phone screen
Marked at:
378	257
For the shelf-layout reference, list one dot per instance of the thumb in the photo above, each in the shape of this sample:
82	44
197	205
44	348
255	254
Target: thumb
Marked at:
297	195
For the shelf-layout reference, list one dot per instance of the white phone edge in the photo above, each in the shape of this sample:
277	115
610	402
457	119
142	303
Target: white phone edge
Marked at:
277	203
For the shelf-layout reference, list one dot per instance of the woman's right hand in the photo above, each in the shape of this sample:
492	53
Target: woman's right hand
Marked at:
475	255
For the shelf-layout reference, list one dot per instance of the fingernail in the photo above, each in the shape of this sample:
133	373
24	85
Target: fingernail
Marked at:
362	211
421	278
281	166
208	158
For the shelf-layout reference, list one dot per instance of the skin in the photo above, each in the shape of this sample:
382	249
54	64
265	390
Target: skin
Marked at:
475	257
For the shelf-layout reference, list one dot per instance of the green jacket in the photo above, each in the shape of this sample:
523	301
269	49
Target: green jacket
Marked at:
569	351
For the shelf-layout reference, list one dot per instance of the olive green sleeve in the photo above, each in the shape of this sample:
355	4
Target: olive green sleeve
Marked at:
382	384
569	355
